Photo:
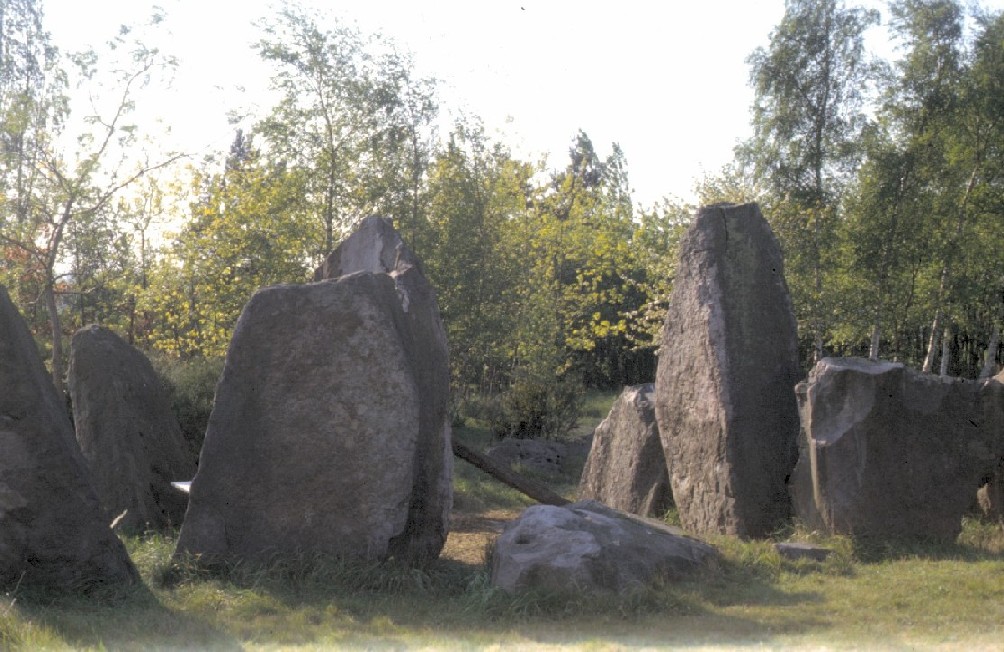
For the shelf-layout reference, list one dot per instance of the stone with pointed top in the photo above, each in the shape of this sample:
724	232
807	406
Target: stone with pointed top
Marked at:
127	431
626	468
53	530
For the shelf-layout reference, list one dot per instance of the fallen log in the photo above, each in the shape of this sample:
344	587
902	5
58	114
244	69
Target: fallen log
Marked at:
507	476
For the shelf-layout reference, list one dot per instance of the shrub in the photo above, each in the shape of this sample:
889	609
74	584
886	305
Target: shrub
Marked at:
192	387
534	406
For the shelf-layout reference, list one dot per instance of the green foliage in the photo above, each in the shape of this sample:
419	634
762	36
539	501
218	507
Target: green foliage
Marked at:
249	229
538	406
191	384
887	224
352	120
810	86
475	192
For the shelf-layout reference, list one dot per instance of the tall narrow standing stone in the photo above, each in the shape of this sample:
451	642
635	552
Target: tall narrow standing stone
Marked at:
728	364
375	247
53	531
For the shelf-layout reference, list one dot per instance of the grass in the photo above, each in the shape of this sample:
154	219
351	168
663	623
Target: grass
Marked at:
888	597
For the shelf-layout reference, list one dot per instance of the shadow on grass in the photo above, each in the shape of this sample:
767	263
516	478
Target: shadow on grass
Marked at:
325	599
129	618
872	552
979	540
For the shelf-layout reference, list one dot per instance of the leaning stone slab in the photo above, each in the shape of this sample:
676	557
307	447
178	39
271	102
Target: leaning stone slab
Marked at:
587	547
127	432
890	453
728	362
626	468
53	531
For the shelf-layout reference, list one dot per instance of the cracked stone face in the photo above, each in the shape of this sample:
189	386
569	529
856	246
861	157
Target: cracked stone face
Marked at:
728	364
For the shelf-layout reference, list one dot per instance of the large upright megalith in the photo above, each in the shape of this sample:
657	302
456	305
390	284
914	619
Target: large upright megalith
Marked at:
53	531
376	248
627	468
728	364
890	453
127	432
329	434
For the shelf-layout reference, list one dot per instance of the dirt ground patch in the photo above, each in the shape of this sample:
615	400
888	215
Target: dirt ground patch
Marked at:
471	534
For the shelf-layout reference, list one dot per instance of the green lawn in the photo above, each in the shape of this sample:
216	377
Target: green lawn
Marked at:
930	597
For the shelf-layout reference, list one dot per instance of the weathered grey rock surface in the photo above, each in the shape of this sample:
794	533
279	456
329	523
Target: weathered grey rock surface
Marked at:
541	456
990	496
588	547
375	247
127	431
627	468
330	432
728	364
53	530
890	453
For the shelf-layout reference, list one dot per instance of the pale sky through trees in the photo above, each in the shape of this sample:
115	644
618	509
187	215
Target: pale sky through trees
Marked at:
666	80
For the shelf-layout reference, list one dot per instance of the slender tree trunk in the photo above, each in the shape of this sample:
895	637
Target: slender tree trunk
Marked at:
932	343
329	216
888	262
990	355
946	350
873	350
49	292
56	327
946	268
818	284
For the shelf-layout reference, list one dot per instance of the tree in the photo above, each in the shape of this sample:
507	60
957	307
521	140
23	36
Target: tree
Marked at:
346	103
967	136
66	192
32	100
399	153
249	228
810	85
476	192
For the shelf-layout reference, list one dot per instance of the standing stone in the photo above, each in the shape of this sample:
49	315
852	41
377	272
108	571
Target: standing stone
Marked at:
889	453
329	433
626	468
53	531
375	247
728	364
127	432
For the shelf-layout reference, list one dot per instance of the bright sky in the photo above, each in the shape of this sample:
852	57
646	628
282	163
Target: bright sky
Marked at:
665	79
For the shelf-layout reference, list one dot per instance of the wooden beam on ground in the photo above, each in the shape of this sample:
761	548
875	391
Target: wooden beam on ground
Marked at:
507	476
